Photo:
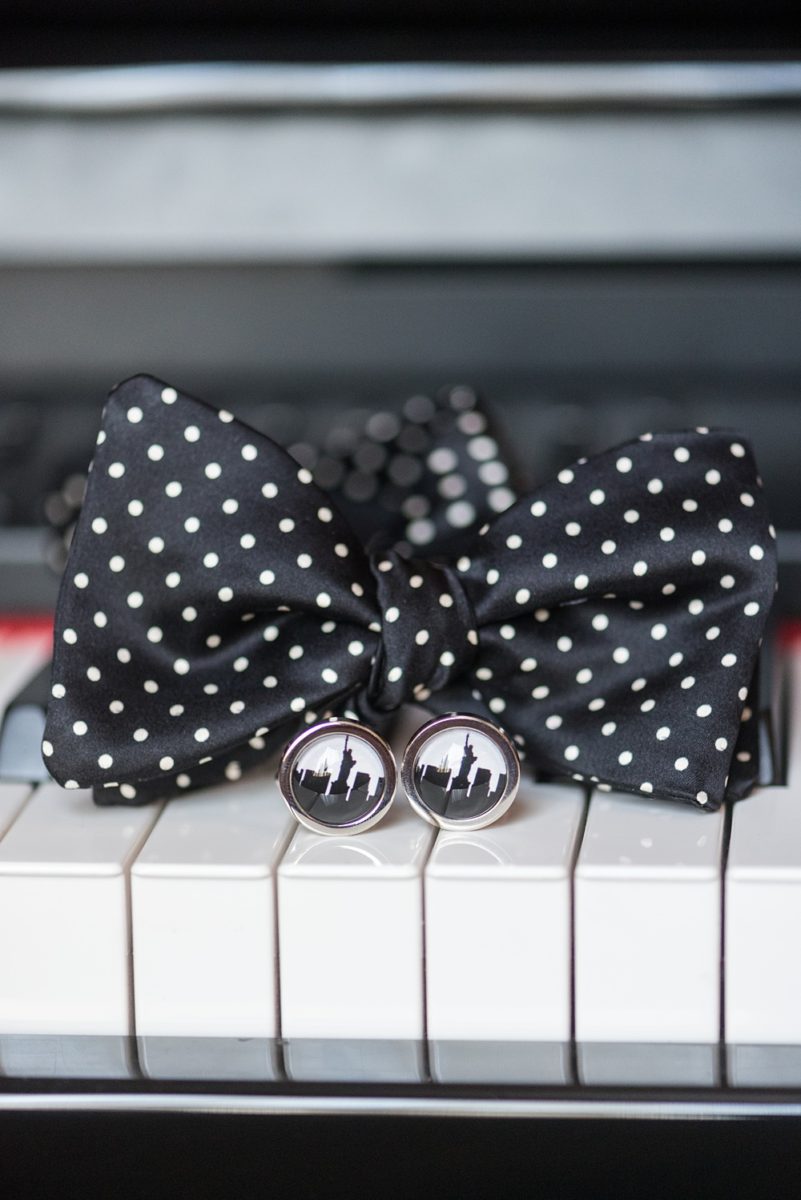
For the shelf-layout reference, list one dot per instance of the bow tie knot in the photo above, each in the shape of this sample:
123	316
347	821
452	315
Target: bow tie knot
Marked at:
428	631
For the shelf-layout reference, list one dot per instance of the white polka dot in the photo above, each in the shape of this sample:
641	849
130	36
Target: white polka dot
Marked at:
625	757
698	558
757	553
721	744
141	735
135	508
514	541
166	763
688	682
747	499
213	470
304	561
712	476
169	395
676	659
225	594
155	545
658	631
737	450
539	693
116	563
201	735
155	452
497	704
655	486
154	634
181	666
581	582
663	733
80	728
305	475
621	654
151	686
391	615
728	660
267	577
47	749
173	579
124	655
81	580
528	664
631	516
421	637
597	704
116	470
241	663
712	633
597	496
236	707
667	534
600	622
173	489
681	454
447	659
507	632
191	524
725	525
357	589
624	464
608	547
553	722
286	525
135	600
249	452
584	675
564	644
99	525
727	581
690	505
100	619
58	691
269	491
298	704
572	753
192	433
648	706
751	609
538	508
703	710
230	506
549	561
681	764
640	568
356	648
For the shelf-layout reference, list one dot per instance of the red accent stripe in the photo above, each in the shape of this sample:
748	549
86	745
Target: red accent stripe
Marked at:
25	626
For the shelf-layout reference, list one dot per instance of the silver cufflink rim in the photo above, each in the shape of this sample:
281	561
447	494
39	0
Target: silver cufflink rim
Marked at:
302	740
478	724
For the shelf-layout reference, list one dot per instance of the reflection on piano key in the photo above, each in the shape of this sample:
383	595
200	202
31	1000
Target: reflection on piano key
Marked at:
21	658
648	930
498	935
493	1062
763	917
203	913
66	954
44	1056
256	1060
350	916
648	1064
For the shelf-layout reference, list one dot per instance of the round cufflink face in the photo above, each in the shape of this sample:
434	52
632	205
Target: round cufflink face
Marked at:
338	777
460	772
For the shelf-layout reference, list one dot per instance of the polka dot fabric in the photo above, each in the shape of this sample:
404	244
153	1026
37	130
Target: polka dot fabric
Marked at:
215	600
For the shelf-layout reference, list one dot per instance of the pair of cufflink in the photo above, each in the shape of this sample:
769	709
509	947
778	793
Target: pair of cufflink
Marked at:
458	771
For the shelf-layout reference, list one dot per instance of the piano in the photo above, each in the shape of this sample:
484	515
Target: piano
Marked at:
597	225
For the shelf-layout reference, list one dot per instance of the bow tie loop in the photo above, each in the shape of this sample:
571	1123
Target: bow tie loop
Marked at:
428	631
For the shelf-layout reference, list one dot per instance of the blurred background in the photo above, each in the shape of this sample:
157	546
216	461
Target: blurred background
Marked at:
310	212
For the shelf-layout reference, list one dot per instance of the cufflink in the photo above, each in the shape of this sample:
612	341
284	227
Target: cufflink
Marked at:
460	772
338	777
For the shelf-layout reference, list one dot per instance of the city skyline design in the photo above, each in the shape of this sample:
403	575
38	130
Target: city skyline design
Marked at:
460	769
343	771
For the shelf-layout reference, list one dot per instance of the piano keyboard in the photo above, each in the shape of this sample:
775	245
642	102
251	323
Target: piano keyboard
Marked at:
580	939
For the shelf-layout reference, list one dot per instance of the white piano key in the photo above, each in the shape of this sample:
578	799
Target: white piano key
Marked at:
210	1058
350	921
64	938
648	925
66	1056
498	926
12	798
763	912
203	908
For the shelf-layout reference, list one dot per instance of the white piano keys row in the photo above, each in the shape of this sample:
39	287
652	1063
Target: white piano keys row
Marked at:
401	935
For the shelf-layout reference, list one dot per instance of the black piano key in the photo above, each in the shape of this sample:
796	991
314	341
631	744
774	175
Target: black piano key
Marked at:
22	729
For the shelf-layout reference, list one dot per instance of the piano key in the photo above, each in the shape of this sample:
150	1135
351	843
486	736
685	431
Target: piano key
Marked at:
763	914
648	937
64	942
255	1060
21	657
350	923
203	914
22	729
67	1056
498	940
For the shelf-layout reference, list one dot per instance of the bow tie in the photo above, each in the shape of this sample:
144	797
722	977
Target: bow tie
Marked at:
215	599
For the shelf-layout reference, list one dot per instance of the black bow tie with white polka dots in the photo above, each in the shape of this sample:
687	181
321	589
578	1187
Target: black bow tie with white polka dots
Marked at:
214	600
